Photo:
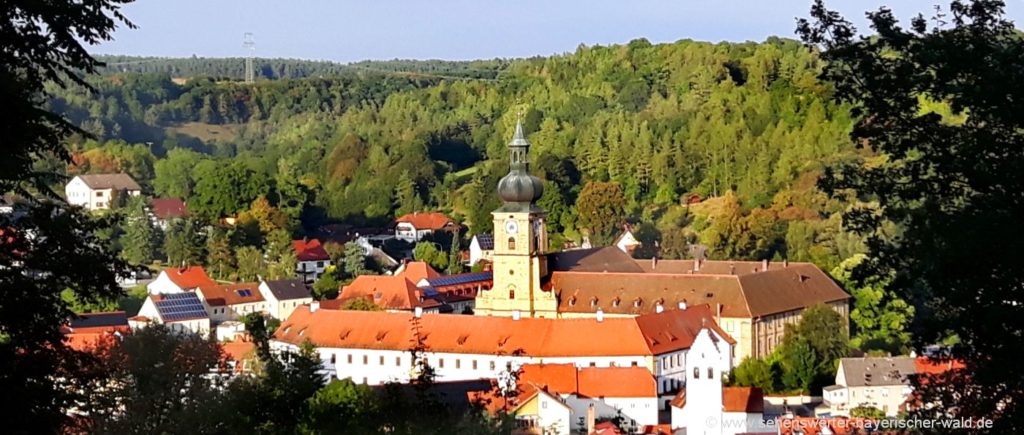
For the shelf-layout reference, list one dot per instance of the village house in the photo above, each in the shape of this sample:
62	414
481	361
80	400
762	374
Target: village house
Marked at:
231	301
559	398
626	241
414	226
179	279
312	258
181	312
878	382
163	211
100	191
481	248
284	295
753	300
85	331
374	347
457	291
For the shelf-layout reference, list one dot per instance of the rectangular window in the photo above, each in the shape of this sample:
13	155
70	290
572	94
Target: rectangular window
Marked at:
382	360
474	364
398	361
458	363
99	194
492	365
366	360
350	358
440	363
634	364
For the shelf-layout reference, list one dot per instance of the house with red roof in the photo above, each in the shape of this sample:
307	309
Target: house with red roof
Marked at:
226	302
373	346
181	312
165	210
312	259
88	330
179	279
414	226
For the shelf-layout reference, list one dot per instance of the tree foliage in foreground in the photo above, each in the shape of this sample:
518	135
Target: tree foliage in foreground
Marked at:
951	185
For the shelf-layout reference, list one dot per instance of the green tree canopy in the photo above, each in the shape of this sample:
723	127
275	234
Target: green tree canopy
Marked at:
600	207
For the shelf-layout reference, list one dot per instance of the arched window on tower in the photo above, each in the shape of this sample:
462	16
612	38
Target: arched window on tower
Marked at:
696	372
711	373
511	293
511	243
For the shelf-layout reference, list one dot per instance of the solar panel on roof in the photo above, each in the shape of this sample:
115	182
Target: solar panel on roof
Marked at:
244	292
180	306
459	279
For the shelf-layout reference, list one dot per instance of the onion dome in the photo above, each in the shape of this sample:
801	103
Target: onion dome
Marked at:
519	186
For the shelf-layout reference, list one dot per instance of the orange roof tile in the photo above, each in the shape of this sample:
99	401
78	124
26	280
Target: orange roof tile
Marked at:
388	292
616	382
189	277
642	335
416	271
557	378
310	250
743	399
426	221
928	366
231	294
814	425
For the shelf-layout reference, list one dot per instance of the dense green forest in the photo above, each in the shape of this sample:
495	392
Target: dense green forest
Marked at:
641	128
234	68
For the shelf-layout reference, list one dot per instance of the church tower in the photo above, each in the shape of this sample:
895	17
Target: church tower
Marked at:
520	239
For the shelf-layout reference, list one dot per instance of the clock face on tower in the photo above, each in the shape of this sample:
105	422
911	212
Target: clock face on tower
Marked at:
511	227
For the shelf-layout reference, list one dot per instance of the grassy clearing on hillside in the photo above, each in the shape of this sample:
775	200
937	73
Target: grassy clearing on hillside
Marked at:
207	132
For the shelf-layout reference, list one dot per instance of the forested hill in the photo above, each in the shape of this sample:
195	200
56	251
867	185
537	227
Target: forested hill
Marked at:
625	132
234	68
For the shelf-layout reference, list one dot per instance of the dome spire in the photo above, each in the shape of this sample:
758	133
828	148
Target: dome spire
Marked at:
519	187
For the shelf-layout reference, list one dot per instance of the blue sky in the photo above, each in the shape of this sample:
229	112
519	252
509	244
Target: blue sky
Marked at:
343	30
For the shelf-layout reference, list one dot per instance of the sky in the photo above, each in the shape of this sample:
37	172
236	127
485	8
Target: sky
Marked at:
346	31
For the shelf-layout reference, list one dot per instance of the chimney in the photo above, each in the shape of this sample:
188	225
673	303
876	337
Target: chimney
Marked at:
654	262
418	312
732	269
785	262
313	306
696	264
764	264
600	315
591	419
718	314
516	315
682	305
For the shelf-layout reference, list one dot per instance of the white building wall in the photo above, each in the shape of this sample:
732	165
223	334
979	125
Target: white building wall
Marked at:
638	411
553	416
163	284
703	412
376	367
311	271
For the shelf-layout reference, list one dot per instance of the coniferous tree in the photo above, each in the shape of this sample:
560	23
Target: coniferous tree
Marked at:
251	264
219	259
183	243
140	236
280	255
355	260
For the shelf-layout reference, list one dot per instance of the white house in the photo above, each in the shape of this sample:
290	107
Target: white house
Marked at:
181	312
481	248
414	226
98	191
704	407
231	301
284	296
312	259
626	241
374	347
179	279
878	382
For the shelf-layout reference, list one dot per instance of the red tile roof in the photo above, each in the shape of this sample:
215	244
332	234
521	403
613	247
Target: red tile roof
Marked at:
649	334
749	400
426	221
310	250
388	292
168	208
606	428
927	366
617	382
556	378
416	271
231	294
189	277
743	399
814	425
